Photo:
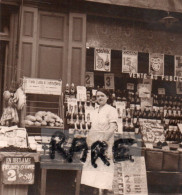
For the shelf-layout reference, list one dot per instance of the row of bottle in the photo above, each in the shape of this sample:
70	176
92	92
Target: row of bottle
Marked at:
79	122
173	135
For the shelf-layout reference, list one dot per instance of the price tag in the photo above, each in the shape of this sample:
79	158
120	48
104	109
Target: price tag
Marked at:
89	79
109	81
81	93
161	91
18	170
130	86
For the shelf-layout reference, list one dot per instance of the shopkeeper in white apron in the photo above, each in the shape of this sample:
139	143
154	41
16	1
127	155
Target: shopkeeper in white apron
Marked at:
104	123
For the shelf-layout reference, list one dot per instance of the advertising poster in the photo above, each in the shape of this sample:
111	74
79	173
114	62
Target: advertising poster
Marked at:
178	66
129	62
156	64
109	81
89	79
102	60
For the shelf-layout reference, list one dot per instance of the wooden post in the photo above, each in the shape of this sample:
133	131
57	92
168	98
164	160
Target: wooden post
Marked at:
78	181
43	181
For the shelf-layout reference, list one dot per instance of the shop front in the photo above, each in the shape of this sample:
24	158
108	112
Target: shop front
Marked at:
59	53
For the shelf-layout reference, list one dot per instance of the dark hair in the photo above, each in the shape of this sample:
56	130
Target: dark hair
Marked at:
105	91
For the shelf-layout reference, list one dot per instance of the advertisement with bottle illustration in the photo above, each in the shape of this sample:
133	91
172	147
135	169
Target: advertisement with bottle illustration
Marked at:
102	60
129	62
178	66
156	64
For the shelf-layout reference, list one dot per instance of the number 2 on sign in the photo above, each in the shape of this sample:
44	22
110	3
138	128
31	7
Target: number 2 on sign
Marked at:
11	175
87	79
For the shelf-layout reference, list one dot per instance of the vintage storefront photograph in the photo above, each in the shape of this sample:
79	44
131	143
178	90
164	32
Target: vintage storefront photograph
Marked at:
90	97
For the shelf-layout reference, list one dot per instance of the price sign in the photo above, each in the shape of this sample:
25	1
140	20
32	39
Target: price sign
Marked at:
156	64
178	66
109	81
18	170
130	86
89	79
161	91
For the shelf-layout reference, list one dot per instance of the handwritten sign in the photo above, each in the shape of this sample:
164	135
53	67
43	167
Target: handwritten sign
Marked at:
18	170
109	81
89	79
81	93
42	86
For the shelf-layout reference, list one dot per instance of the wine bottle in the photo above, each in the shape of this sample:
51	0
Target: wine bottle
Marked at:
83	125
72	91
66	93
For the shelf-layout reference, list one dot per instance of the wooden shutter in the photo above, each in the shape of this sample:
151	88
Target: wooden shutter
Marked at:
28	42
76	49
51	45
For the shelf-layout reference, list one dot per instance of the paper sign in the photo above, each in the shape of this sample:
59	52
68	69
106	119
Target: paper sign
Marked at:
18	170
102	61
144	90
89	79
130	177
156	64
81	93
180	127
146	103
161	91
109	81
178	87
129	61
134	177
42	86
130	86
152	132
178	66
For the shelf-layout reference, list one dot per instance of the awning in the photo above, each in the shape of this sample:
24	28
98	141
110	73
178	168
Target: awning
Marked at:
166	5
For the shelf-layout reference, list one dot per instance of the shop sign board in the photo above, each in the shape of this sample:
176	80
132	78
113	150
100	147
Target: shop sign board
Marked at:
18	170
102	59
130	177
129	62
42	86
109	81
156	64
178	66
89	79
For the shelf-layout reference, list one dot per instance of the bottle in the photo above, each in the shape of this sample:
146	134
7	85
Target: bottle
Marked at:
66	93
71	124
113	97
75	113
69	113
72	91
107	64
77	122
83	125
137	126
88	121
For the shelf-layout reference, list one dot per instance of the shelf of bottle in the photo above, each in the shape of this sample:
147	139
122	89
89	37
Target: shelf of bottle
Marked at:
78	132
43	127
